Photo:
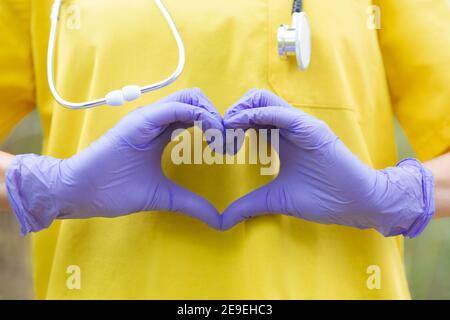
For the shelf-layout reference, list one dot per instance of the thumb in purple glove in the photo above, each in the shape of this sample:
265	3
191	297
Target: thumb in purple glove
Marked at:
117	175
320	180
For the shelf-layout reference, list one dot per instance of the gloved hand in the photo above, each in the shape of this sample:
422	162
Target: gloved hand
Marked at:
320	180
118	174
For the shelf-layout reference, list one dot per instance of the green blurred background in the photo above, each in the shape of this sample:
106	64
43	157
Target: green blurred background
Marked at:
427	257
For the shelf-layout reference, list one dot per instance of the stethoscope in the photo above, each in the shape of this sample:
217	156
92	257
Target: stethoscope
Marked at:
294	40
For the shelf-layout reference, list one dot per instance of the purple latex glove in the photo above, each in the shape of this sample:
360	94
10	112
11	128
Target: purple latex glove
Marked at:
118	174
321	180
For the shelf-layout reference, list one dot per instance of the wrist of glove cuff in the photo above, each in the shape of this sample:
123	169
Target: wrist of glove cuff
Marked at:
29	181
428	197
405	199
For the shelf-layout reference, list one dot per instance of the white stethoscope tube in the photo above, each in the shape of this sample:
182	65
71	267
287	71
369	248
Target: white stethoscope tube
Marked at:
117	97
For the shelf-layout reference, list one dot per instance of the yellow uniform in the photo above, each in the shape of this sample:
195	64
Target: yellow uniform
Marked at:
358	78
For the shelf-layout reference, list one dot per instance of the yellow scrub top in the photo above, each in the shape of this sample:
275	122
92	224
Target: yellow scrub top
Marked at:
358	78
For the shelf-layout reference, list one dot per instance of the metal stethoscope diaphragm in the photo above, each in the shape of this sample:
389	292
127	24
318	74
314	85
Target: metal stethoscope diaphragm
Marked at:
295	40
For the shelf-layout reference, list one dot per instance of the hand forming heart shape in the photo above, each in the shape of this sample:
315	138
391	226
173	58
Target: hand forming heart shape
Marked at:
302	137
300	189
319	180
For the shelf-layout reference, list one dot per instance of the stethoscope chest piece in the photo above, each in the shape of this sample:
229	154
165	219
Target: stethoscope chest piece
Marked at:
296	40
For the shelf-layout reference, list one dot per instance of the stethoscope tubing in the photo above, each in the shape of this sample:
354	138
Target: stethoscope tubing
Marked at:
54	17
